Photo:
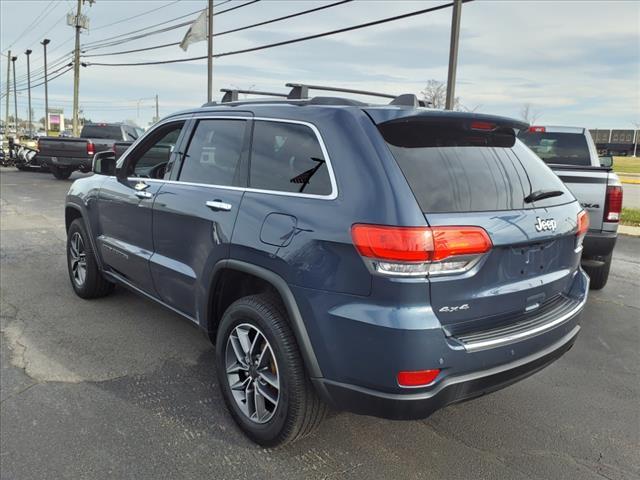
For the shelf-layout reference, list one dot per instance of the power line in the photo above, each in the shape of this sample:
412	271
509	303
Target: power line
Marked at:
49	79
285	42
126	19
116	39
233	30
33	23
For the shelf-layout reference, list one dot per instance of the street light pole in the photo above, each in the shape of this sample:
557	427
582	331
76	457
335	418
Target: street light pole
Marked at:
44	43
6	113
28	53
453	54
76	71
210	52
15	95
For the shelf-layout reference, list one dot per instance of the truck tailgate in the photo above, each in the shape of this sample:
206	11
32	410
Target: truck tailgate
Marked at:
63	147
589	186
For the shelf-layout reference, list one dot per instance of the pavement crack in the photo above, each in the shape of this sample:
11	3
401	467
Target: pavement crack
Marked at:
20	392
340	473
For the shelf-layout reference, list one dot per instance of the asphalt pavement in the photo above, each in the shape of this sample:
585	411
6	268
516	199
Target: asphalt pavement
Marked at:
121	388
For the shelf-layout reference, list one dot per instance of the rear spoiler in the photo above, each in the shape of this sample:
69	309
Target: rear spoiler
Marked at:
441	117
584	168
425	128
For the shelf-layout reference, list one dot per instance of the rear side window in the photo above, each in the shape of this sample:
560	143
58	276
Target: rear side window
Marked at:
213	155
287	157
558	148
476	178
102	131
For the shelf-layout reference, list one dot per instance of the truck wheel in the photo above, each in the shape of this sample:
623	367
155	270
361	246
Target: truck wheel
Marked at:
600	274
261	373
61	173
86	279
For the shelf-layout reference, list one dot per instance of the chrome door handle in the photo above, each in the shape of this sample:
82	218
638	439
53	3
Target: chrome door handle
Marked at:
143	194
218	205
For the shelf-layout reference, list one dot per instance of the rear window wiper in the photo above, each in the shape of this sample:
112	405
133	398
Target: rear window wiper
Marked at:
541	194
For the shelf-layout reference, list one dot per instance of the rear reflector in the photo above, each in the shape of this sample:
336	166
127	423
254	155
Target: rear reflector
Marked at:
418	378
414	251
537	129
613	204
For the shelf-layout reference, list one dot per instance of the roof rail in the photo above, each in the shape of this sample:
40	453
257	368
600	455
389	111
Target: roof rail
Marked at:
301	91
231	94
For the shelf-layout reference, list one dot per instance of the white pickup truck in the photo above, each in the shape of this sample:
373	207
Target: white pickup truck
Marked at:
572	155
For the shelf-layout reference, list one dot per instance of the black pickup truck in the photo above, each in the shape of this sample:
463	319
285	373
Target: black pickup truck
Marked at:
65	155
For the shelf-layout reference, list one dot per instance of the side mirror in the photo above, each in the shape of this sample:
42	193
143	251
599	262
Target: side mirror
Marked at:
606	162
104	163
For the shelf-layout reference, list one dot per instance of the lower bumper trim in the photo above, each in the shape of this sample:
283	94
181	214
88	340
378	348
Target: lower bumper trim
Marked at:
451	390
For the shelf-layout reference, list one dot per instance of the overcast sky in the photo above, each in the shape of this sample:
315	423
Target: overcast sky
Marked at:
575	62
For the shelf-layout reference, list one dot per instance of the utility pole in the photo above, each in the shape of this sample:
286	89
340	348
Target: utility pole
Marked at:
44	43
76	70
6	113
453	54
28	53
209	52
15	95
157	110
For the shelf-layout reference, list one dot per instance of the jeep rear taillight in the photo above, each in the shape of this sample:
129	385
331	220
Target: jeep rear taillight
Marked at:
420	251
91	149
613	204
583	228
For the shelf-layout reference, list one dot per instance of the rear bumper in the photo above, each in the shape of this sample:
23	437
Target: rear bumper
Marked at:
599	244
76	163
454	389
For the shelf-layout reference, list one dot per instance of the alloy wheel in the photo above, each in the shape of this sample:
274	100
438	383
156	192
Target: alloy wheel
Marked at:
78	259
252	373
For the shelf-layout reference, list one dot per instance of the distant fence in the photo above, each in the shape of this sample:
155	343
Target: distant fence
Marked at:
616	142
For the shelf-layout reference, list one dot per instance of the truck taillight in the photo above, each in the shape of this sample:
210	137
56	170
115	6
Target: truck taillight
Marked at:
91	149
536	129
420	251
613	204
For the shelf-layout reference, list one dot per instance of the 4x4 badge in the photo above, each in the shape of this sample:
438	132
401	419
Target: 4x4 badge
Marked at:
546	225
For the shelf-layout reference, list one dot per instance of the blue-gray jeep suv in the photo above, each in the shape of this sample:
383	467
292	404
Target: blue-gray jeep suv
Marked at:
385	260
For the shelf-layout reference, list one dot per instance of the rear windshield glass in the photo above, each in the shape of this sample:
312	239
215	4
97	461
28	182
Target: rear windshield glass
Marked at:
477	178
559	148
99	131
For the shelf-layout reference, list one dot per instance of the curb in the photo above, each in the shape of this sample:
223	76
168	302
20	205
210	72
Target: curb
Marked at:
629	230
629	181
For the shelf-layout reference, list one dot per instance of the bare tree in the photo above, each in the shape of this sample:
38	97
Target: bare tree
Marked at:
528	114
435	94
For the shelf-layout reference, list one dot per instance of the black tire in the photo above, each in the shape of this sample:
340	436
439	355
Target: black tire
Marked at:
93	285
599	275
299	410
61	173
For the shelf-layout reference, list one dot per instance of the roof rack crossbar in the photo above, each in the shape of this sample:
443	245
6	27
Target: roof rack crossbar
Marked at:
301	91
231	94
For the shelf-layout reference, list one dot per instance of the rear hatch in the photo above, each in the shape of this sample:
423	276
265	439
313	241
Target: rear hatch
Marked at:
469	170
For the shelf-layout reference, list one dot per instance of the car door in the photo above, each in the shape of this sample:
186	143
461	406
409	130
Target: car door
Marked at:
194	213
125	206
